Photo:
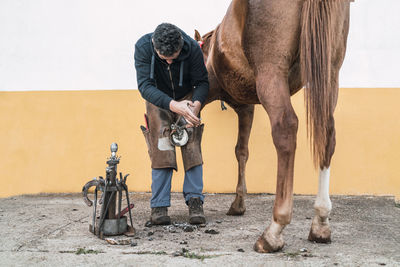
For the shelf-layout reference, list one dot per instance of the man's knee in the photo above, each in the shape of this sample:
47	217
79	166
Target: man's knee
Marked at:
191	152
161	151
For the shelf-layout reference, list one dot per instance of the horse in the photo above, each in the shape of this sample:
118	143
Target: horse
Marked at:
263	52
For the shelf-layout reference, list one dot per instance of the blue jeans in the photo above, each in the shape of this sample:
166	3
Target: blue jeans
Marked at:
161	186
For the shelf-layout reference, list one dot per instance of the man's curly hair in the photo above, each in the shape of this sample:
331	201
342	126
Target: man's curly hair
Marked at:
167	39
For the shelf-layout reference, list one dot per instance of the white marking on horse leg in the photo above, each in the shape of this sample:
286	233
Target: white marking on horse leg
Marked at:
323	204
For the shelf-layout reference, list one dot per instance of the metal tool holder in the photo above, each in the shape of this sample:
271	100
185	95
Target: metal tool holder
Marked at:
111	220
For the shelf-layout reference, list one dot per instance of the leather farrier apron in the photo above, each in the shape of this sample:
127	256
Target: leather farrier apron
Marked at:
157	135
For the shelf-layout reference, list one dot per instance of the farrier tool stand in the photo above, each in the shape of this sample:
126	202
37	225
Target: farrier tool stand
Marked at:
109	222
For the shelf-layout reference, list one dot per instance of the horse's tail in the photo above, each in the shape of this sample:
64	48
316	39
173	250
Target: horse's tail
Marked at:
315	58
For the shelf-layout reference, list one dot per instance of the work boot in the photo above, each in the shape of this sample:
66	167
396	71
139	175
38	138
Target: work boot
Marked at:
159	216
196	214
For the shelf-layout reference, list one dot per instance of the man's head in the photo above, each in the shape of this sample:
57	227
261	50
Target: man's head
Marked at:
167	41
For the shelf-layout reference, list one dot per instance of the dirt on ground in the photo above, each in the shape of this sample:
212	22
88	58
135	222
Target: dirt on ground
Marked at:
52	230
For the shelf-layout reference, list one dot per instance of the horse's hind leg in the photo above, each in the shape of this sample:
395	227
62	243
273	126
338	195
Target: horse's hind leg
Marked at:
320	229
245	115
274	95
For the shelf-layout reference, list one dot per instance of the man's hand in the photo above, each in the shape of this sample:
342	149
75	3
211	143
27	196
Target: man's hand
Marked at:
187	109
196	107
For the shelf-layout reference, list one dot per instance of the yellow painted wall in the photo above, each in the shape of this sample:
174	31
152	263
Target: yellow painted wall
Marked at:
55	141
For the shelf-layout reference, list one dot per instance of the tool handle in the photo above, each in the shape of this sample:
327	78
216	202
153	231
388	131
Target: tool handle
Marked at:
124	211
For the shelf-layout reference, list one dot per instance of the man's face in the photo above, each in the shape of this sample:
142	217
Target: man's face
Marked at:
170	59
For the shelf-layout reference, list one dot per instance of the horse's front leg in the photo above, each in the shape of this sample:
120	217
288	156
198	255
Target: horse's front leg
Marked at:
245	115
273	92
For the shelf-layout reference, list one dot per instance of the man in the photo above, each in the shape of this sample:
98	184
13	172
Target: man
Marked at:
173	80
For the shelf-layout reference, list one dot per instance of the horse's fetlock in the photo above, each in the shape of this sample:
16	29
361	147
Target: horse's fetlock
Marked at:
323	209
283	217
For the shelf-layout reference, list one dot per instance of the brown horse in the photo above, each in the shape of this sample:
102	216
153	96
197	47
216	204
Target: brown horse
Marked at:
263	52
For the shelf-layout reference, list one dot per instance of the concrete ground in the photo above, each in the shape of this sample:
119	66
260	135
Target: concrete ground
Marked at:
52	230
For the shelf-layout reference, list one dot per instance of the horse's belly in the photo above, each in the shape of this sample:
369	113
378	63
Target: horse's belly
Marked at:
240	89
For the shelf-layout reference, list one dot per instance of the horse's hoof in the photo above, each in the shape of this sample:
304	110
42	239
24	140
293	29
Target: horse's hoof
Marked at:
268	246
235	211
320	233
237	207
319	237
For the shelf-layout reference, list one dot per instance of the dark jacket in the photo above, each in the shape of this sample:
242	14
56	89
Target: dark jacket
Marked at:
188	73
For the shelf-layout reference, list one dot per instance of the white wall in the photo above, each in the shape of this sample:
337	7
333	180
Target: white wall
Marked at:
88	44
373	46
